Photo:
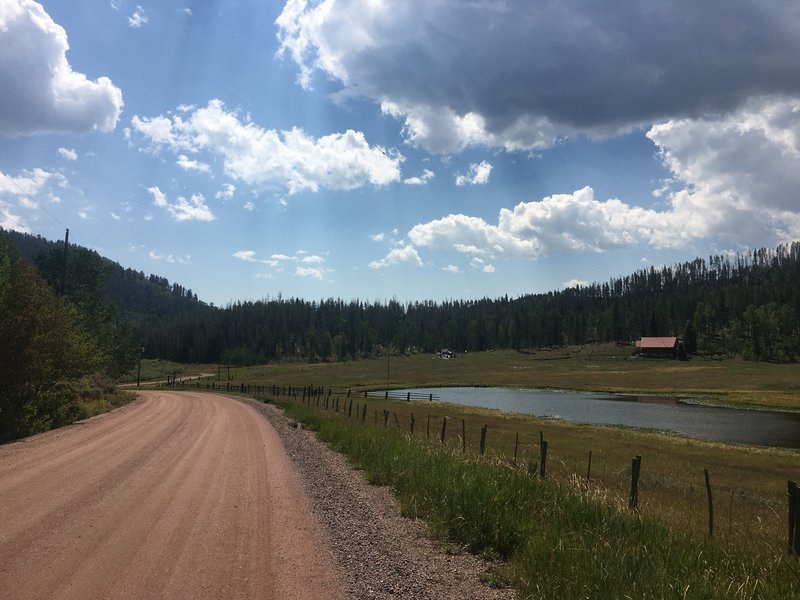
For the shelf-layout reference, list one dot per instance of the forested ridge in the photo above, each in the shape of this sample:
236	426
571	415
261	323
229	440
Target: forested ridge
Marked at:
745	304
62	345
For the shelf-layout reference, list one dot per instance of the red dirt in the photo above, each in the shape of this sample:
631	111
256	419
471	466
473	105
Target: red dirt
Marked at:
173	496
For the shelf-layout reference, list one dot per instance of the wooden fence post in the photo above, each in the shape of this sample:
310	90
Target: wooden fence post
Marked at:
542	458
463	435
794	530
412	423
444	429
516	445
428	430
589	468
483	439
636	467
710	504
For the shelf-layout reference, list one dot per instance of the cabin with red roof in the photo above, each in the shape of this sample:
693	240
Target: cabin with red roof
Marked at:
657	347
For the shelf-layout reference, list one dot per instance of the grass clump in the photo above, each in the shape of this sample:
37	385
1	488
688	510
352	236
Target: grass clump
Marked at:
555	539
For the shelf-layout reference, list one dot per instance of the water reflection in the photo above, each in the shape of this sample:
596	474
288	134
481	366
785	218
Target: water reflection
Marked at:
664	413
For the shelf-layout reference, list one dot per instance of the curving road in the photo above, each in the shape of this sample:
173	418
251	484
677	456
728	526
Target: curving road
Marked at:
177	495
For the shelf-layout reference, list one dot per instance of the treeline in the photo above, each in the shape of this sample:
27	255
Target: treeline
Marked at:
745	305
742	305
60	339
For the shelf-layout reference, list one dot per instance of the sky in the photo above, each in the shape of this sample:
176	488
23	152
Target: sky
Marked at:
416	150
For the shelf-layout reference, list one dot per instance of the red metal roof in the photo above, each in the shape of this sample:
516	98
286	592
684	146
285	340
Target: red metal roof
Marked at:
657	342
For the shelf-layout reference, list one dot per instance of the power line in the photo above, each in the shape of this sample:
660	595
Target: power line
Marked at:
8	216
32	199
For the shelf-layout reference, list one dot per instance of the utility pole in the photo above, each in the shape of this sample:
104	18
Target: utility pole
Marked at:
63	287
139	372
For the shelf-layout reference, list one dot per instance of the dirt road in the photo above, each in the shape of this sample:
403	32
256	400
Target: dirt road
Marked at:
173	496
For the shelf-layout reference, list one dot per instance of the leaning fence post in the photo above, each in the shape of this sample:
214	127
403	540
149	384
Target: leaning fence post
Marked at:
636	466
710	504
516	445
444	428
543	458
589	468
794	530
483	439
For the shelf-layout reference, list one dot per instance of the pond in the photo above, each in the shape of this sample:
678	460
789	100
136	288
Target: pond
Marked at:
662	413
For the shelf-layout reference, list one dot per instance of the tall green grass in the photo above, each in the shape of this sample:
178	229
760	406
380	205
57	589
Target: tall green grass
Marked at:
555	539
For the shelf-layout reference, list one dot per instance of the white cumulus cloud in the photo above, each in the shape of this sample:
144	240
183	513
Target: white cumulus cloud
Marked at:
562	222
292	159
736	176
246	255
311	272
478	174
426	176
68	154
138	18
575	283
183	209
187	164
226	193
40	91
404	254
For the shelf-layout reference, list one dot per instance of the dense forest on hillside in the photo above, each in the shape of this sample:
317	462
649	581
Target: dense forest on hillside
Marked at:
62	344
745	304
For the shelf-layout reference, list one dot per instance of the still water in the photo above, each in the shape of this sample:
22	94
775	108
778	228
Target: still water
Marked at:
663	413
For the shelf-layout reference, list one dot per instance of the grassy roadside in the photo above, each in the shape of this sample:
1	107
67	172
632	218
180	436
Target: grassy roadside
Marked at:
158	370
557	538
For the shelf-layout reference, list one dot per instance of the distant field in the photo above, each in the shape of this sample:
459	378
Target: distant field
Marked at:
595	368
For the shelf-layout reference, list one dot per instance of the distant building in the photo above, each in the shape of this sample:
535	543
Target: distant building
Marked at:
658	347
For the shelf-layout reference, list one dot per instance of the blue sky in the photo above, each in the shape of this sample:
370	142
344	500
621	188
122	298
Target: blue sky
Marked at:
417	150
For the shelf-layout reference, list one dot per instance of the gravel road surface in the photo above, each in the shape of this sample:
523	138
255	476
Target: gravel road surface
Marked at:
184	495
177	495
